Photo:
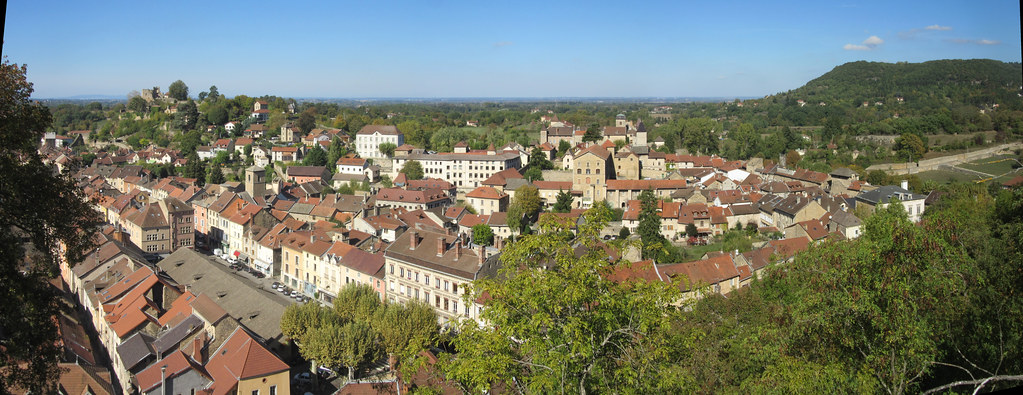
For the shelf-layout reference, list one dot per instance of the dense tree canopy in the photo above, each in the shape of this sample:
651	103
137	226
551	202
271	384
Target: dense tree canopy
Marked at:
413	170
567	327
44	219
178	90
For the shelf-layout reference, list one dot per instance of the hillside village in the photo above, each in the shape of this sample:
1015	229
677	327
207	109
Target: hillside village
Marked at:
179	288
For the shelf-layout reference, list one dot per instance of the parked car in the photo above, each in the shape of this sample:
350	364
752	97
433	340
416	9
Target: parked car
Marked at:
275	285
258	274
294	294
218	252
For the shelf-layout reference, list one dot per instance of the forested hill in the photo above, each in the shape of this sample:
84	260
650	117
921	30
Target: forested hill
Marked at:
974	82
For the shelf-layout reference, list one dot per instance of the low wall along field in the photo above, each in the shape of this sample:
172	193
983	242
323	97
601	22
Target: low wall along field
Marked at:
951	160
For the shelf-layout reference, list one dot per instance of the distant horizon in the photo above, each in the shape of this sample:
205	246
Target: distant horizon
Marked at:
408	49
451	98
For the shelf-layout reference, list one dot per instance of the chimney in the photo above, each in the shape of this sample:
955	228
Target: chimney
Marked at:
440	246
458	250
312	238
498	242
483	255
905	185
414	242
197	350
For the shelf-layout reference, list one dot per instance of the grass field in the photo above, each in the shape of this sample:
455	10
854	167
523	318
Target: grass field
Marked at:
946	176
994	165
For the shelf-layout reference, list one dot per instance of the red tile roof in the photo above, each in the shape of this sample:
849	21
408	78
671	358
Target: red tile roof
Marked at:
240	358
485	192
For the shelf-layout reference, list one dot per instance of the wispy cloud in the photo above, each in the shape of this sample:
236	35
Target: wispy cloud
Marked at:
976	42
867	45
503	44
912	33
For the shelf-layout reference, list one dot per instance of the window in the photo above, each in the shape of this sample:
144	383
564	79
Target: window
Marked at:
273	390
445	285
392	268
438	283
454	306
401	272
454	287
427	278
255	392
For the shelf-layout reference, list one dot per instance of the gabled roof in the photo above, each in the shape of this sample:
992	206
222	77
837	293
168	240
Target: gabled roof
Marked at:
707	271
596	150
501	178
485	192
241	358
176	364
382	129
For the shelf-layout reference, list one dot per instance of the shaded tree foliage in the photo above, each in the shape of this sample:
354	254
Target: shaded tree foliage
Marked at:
44	220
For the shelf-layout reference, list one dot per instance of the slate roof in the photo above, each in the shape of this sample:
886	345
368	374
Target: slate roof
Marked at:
885	193
135	349
260	311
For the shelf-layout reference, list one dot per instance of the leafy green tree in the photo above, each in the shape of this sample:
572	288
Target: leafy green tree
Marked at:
649	228
746	139
910	147
334	152
187	116
691	230
482	234
178	90
414	133
217	115
214	94
216	175
46	220
385	180
563	148
593	133
300	320
878	177
564	201
533	174
527	200
889	296
307	120
315	157
357	342
590	333
413	170
356	302
406	329
624	233
387	148
323	344
138	105
538	159
194	168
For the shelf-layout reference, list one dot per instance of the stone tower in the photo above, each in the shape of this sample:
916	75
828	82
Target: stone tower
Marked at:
255	181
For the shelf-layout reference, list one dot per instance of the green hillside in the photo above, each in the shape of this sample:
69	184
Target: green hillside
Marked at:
975	82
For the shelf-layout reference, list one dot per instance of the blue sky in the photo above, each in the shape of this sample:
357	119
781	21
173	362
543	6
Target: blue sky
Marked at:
486	48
